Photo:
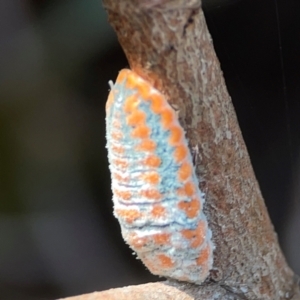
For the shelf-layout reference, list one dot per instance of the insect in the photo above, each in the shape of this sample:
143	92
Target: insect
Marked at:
155	190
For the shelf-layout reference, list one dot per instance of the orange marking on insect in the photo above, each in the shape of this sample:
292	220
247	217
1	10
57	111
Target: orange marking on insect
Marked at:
158	211
144	89
117	149
204	255
185	171
125	195
117	135
151	177
131	81
196	236
109	101
122	75
146	145
130	215
189	188
141	132
180	153
167	118
120	163
152	161
176	135
157	239
190	208
157	103
136	118
161	239
151	194
136	242
119	178
165	261
116	124
131	103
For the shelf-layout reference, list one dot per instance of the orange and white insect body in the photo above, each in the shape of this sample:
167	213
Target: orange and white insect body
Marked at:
155	190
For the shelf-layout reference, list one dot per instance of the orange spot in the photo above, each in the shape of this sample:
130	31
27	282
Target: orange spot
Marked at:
151	194
136	118
141	132
158	211
125	195
185	171
189	188
109	101
116	124
120	163
180	153
157	103
146	145
144	88
130	215
131	80
117	149
190	208
139	242
196	236
136	241
165	261
167	117
161	239
119	177
122	75
151	177
176	135
152	161
131	103
117	135
204	255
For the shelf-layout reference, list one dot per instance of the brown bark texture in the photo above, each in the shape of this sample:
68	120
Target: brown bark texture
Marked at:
167	43
162	291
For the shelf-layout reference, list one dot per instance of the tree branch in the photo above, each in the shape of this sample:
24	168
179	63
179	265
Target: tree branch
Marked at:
162	291
167	43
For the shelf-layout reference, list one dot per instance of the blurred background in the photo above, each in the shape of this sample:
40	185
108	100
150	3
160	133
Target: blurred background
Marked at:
58	236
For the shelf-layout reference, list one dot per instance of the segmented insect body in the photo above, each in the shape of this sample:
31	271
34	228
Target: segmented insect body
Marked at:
155	190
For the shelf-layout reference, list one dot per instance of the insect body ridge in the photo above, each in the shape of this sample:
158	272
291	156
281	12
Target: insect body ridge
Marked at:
155	189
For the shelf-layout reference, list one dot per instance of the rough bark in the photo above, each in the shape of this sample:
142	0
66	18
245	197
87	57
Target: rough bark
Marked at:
167	42
162	291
